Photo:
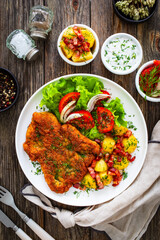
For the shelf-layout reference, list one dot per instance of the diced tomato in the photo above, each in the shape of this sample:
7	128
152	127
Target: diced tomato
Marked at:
78	42
85	121
68	98
77	31
75	41
85	47
105	120
68	41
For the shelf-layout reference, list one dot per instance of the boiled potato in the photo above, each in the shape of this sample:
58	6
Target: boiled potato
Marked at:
130	144
101	166
121	165
89	37
89	182
83	57
105	178
67	51
108	144
69	33
119	130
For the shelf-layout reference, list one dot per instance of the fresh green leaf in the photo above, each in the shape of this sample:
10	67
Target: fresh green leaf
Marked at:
93	133
87	86
116	107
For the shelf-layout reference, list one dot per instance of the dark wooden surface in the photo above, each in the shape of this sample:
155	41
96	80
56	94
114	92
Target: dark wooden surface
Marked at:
98	14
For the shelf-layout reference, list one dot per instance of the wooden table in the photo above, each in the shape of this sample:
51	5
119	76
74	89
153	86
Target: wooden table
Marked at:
101	17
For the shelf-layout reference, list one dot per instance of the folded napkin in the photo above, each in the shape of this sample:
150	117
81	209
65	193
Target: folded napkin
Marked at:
126	216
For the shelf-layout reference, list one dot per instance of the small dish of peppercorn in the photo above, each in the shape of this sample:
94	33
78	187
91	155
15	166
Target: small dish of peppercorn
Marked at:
135	11
9	89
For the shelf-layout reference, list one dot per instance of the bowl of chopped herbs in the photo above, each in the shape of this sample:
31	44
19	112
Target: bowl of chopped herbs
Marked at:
9	89
148	81
135	11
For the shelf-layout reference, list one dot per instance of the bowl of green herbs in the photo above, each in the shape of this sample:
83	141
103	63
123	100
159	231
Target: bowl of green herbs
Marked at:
135	11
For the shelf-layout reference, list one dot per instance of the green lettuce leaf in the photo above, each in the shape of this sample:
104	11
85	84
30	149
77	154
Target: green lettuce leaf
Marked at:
87	86
116	107
94	133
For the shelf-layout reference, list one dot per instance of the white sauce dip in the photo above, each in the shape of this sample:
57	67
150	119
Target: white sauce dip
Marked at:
121	53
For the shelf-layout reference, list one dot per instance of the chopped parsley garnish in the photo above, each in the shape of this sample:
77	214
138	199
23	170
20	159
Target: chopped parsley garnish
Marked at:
38	168
77	194
125	175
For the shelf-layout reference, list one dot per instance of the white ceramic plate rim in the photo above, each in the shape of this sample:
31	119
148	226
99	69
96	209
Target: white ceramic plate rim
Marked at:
145	65
133	68
95	197
78	63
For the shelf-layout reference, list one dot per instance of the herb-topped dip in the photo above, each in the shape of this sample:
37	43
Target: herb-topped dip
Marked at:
121	53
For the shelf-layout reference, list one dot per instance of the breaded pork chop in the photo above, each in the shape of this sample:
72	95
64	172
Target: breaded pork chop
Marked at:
62	151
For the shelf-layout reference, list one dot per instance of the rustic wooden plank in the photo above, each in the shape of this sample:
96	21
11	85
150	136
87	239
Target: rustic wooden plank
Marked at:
65	13
14	15
101	17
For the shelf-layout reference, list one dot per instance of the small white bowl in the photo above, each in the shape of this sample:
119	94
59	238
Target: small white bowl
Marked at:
95	49
151	99
135	42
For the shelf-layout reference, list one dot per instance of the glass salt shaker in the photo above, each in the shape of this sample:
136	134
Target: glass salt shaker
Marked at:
40	21
22	45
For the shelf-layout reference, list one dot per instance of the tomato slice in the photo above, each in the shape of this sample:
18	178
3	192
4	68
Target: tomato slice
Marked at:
86	121
105	120
68	98
105	92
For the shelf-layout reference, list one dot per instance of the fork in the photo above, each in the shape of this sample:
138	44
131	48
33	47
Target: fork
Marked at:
7	198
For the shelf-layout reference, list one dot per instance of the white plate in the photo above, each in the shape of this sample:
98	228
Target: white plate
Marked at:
134	114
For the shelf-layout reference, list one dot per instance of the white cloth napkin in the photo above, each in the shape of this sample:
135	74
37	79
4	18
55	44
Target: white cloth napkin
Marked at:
126	216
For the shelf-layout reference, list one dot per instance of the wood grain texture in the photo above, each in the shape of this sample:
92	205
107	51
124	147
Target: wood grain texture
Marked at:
101	17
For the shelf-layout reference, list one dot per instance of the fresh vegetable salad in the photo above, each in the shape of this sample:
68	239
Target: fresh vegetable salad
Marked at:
149	80
77	44
83	102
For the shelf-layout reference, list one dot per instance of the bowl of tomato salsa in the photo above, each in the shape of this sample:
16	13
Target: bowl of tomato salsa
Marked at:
78	45
148	81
